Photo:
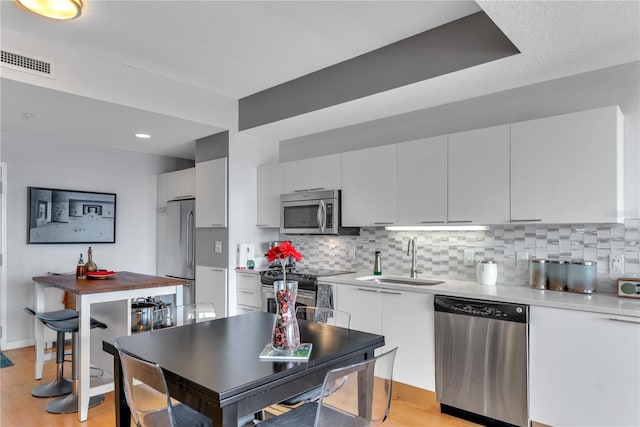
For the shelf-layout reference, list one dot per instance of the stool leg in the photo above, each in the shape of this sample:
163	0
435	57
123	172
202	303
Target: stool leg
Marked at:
68	404
60	385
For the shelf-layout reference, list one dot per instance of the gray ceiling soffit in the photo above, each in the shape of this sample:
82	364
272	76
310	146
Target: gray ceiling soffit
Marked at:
454	46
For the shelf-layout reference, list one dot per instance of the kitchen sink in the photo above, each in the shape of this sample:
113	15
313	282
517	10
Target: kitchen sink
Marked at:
399	280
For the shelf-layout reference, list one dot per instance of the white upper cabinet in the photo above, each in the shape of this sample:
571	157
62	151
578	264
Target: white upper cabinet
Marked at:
422	181
478	176
317	173
270	179
568	168
211	193
181	184
369	186
161	192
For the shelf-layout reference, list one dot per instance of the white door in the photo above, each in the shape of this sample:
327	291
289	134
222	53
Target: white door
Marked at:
3	251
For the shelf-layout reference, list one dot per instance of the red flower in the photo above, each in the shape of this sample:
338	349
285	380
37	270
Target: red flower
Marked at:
283	251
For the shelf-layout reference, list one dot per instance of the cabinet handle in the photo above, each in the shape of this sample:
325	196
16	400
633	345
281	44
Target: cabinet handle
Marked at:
459	222
613	319
367	290
382	223
316	189
526	220
301	190
267	225
431	222
246	292
217	225
391	293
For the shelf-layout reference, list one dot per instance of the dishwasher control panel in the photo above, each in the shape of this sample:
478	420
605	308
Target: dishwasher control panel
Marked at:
480	308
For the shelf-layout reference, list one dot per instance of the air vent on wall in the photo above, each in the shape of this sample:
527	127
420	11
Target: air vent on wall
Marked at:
27	64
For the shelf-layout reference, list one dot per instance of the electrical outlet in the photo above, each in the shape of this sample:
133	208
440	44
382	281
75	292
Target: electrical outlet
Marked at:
616	265
217	247
469	257
522	260
351	253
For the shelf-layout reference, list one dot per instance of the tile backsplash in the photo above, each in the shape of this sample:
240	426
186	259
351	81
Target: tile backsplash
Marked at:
440	254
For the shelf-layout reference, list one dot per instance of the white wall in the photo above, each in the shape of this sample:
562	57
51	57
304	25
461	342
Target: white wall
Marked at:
32	161
246	153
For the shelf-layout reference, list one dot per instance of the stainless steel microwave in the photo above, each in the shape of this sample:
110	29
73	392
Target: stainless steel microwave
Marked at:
312	212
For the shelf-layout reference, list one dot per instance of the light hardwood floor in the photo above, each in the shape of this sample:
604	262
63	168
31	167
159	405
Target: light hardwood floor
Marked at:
19	409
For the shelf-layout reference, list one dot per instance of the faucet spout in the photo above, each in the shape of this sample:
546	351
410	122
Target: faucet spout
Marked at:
411	250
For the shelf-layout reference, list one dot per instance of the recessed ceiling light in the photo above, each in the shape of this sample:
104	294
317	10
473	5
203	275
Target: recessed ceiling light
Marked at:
54	9
143	135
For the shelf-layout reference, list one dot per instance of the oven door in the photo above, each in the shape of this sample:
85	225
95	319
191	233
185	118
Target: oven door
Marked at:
309	216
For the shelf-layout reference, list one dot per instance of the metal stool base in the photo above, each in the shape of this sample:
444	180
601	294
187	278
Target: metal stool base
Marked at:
57	387
69	404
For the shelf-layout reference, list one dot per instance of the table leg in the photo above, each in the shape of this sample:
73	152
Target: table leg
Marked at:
123	412
84	356
38	329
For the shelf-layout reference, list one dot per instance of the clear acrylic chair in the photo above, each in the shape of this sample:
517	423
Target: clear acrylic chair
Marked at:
180	315
329	316
362	399
145	390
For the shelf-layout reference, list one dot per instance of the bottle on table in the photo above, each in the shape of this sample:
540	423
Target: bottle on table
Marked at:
81	272
90	266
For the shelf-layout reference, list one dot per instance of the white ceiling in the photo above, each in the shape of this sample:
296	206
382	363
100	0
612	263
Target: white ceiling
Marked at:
237	48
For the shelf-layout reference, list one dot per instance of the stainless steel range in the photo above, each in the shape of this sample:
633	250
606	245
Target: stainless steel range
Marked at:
307	286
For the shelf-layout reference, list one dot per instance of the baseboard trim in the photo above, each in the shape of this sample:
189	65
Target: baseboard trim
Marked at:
12	345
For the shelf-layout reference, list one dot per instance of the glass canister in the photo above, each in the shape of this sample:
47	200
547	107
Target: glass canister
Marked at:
538	273
581	277
557	274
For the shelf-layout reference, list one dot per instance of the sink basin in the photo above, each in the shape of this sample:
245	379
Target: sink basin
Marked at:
399	280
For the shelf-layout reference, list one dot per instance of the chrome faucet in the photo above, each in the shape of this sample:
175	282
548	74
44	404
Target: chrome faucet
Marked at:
411	250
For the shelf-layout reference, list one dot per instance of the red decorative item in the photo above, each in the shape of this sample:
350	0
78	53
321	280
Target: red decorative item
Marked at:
286	334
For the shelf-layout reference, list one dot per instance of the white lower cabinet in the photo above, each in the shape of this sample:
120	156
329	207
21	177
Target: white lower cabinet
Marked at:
211	286
248	292
584	368
405	319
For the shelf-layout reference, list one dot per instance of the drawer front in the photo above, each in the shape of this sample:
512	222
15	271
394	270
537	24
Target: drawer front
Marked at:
247	281
247	297
242	309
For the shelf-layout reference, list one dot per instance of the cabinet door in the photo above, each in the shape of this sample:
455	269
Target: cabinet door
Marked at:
211	286
181	184
211	193
270	180
161	191
248	290
478	176
369	185
326	172
584	368
568	168
422	181
297	176
363	304
408	323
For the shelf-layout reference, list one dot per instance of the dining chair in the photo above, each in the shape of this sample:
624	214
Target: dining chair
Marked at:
180	315
147	395
329	316
362	399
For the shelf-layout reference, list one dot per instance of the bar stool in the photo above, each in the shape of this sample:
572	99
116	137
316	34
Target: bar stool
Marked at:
69	403
60	385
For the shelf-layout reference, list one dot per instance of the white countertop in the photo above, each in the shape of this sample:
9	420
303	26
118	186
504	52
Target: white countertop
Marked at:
599	303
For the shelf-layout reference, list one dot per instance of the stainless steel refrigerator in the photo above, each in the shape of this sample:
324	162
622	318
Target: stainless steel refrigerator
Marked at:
180	244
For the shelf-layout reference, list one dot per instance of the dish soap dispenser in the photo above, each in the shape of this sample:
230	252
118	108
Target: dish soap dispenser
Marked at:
377	264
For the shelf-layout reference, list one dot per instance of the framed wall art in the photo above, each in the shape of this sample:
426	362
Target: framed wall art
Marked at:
69	216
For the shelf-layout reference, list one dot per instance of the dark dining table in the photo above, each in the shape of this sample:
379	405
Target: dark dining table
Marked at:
214	368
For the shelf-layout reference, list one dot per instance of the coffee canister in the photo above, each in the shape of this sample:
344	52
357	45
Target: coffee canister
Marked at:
581	277
487	272
538	276
557	274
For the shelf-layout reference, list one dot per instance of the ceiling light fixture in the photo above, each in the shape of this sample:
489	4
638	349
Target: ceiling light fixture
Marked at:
54	9
437	228
143	135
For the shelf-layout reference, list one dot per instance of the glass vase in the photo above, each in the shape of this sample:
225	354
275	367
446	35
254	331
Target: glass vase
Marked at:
286	334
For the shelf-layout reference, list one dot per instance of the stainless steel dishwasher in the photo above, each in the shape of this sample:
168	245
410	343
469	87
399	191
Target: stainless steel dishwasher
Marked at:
482	360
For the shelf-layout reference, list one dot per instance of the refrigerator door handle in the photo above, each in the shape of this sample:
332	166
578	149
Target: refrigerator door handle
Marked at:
190	232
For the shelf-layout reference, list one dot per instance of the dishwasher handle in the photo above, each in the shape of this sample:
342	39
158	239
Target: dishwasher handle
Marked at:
493	310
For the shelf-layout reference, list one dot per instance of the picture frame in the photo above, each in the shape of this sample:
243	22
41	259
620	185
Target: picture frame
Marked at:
57	216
